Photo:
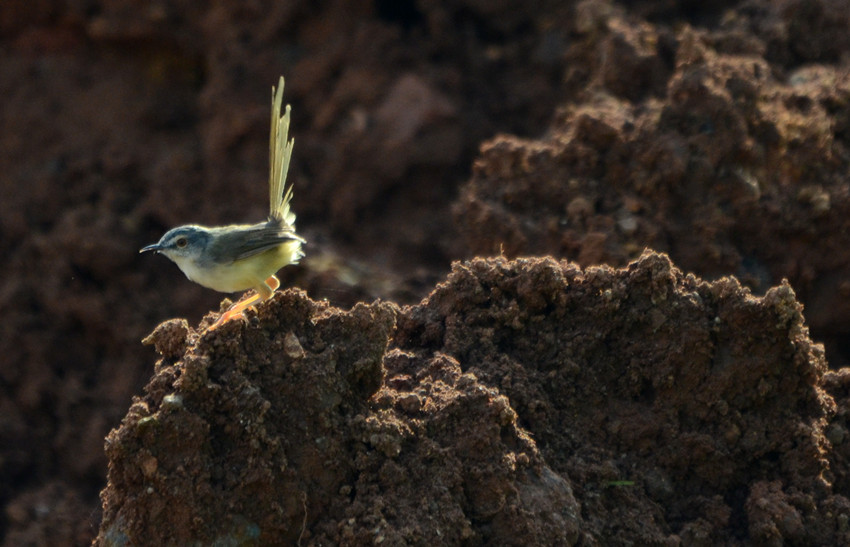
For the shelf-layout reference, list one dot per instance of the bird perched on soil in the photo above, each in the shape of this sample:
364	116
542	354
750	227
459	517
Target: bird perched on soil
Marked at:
244	256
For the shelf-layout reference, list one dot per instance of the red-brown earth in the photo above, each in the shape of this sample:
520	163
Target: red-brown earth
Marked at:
498	409
523	402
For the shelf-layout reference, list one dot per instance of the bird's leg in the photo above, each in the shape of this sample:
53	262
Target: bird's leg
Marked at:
264	292
273	282
235	310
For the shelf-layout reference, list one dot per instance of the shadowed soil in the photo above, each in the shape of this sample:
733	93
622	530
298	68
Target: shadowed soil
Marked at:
524	402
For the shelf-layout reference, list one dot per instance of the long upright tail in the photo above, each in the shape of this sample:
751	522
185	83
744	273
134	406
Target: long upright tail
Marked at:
280	152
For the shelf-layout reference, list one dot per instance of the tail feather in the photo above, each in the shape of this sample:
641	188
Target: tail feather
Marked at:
280	153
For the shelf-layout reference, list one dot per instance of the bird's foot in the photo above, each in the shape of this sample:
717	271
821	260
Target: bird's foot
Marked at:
236	310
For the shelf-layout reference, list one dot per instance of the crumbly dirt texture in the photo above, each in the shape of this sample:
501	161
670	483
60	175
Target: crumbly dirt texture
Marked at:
524	402
428	133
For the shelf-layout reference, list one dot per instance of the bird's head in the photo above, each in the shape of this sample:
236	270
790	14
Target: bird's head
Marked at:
182	243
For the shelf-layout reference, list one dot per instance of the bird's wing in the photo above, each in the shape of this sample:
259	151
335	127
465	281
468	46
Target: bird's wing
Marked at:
280	153
246	241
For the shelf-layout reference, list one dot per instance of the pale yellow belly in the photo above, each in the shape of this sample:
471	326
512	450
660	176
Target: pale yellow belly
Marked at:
243	274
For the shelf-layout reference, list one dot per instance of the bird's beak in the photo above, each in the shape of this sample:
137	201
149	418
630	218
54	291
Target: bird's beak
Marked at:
155	248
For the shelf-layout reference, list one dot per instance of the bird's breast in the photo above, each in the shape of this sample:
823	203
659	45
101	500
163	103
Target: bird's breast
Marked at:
218	277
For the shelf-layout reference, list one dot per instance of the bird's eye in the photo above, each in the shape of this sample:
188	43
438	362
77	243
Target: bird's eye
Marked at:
182	242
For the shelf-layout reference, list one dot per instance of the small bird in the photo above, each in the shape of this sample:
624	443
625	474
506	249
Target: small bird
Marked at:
244	256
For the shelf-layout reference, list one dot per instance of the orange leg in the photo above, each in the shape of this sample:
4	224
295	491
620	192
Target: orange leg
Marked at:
273	282
237	309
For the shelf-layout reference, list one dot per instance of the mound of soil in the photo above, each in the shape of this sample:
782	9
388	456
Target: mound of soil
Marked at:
710	152
524	402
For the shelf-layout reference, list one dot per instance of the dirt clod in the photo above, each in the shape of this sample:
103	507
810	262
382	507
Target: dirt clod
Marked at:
524	401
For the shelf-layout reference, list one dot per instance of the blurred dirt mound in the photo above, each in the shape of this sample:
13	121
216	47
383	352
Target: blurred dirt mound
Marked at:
523	402
710	151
